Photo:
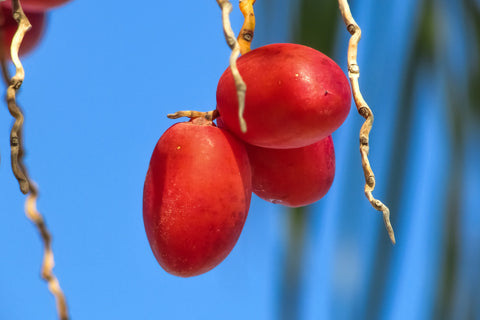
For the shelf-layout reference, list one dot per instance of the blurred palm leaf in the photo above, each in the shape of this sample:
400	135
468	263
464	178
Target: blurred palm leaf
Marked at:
316	25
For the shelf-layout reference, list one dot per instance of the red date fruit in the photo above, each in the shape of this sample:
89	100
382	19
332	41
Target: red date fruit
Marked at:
38	5
196	197
295	96
8	27
293	177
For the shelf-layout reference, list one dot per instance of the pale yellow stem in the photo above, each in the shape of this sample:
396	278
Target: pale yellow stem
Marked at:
365	111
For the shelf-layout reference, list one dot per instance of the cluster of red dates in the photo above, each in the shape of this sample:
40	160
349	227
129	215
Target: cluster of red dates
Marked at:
201	176
35	10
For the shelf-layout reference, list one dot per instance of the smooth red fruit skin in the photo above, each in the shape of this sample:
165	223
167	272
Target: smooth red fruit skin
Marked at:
38	5
196	197
295	96
8	27
293	177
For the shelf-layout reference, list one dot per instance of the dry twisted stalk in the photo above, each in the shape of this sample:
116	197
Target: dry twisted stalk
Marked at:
232	42
365	111
18	168
48	260
14	84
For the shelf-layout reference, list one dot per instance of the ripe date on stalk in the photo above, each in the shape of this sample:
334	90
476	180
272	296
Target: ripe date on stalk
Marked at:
295	96
293	177
196	197
38	5
8	27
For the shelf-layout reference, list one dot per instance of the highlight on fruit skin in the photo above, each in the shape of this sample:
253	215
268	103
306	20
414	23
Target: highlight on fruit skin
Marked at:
8	27
295	96
196	197
293	177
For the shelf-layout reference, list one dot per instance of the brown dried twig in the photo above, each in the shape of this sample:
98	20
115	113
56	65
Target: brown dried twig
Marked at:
14	84
232	42
18	168
365	111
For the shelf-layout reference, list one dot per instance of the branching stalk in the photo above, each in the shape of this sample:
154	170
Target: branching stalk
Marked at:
18	168
365	111
232	42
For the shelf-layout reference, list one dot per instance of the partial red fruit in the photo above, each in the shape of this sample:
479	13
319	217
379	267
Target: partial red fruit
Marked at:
293	177
8	27
196	197
295	96
39	5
